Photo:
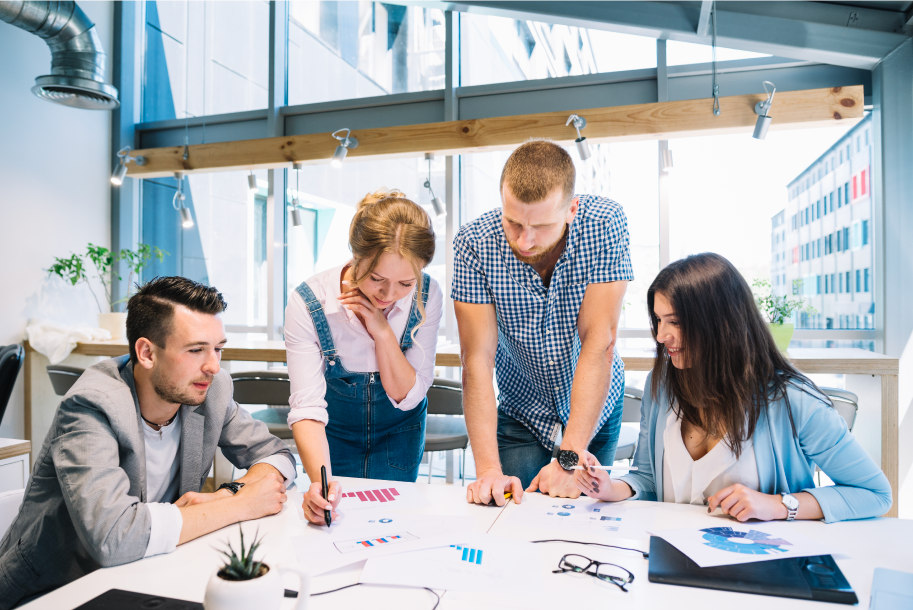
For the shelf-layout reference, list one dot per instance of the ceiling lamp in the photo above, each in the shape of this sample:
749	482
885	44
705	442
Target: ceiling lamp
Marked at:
582	148
437	203
345	143
120	170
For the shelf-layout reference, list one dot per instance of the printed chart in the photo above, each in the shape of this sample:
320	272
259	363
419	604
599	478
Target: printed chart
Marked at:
726	545
467	554
751	542
395	496
348	546
580	514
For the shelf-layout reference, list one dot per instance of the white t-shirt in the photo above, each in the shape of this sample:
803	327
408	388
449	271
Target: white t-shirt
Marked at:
686	481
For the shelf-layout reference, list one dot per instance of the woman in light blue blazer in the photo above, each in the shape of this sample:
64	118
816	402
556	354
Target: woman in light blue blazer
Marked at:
728	422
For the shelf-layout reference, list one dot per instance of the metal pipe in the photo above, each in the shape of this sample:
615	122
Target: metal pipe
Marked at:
77	77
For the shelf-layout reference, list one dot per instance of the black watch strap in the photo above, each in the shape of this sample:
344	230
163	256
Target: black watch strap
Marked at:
234	487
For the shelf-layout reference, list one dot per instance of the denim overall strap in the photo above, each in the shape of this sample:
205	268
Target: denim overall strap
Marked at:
327	347
414	314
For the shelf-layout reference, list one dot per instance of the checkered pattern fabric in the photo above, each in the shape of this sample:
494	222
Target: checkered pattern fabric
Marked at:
538	343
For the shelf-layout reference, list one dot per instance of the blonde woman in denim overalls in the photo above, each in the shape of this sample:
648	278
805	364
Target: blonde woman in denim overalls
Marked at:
361	343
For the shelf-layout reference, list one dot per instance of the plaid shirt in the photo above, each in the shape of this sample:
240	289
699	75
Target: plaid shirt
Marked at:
538	343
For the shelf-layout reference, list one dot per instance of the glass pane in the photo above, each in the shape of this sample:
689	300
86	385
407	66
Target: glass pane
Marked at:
681	53
786	210
624	171
499	50
328	197
226	246
205	58
346	50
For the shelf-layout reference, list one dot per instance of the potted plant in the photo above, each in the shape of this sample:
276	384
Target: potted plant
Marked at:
243	582
778	309
74	271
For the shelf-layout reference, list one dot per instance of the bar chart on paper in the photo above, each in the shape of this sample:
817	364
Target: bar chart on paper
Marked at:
467	554
400	495
348	546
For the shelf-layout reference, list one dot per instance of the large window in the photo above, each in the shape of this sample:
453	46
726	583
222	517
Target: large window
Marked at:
346	50
500	49
204	58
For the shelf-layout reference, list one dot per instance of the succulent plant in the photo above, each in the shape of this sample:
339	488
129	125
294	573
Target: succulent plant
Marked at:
242	566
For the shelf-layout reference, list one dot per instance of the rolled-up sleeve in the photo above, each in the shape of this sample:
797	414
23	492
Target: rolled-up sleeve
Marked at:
421	354
167	523
305	364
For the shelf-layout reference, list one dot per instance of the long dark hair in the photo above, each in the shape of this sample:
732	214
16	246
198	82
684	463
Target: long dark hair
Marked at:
735	369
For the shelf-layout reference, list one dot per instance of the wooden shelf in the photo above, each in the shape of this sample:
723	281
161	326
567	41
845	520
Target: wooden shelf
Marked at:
10	447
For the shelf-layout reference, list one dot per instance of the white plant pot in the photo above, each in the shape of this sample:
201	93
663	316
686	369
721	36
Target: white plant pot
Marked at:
115	323
263	593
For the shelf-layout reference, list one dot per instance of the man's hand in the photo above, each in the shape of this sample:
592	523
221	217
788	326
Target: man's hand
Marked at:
493	484
262	497
192	498
314	504
555	481
743	503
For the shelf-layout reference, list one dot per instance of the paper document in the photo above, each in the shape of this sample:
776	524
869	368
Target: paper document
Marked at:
727	545
582	514
471	562
323	549
382	496
891	590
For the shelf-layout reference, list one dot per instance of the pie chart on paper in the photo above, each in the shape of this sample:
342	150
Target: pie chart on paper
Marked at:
752	542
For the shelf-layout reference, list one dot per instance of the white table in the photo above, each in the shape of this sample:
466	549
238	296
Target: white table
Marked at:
183	574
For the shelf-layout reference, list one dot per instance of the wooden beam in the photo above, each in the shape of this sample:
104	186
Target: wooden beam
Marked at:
660	121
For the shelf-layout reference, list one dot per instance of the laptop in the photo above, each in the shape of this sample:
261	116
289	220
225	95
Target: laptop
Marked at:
812	578
118	599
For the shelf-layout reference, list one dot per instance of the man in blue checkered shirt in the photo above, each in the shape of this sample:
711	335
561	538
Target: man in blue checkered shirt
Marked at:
538	287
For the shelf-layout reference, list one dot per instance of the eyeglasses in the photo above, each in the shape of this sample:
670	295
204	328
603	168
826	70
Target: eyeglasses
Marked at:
608	572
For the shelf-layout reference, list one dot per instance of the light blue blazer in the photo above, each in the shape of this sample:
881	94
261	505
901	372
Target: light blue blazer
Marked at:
786	463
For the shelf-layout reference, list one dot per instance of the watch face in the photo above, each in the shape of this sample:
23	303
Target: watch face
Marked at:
790	502
567	459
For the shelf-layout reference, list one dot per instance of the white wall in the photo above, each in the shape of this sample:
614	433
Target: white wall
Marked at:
54	168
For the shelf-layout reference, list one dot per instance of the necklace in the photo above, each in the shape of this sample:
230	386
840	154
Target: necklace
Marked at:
155	425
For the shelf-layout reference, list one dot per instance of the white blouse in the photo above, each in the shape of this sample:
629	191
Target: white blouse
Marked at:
686	481
306	365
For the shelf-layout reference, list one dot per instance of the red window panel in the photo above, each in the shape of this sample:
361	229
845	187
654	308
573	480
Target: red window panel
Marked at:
863	189
855	191
796	254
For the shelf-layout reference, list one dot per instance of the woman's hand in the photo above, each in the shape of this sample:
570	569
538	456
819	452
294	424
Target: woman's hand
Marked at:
314	504
743	503
371	317
594	483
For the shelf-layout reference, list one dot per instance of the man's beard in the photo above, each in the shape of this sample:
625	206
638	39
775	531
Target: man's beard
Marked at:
539	254
175	395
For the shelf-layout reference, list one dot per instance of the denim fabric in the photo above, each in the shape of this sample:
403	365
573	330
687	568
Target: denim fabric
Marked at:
368	437
523	456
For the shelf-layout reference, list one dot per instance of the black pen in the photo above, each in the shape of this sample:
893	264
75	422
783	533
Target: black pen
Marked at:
326	492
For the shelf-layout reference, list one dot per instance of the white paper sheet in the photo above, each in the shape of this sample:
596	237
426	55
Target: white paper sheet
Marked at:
324	549
389	496
470	562
583	514
730	544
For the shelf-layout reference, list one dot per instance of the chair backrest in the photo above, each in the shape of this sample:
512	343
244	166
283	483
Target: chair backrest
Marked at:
262	388
846	404
10	501
63	377
11	357
633	398
445	397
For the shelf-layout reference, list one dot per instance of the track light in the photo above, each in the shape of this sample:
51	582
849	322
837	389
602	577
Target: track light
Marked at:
582	148
436	202
762	109
120	170
178	202
667	160
345	143
297	221
252	182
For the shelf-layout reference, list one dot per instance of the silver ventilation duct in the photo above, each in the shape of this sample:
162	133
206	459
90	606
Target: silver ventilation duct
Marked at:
77	75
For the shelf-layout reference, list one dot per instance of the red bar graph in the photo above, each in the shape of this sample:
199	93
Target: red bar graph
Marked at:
374	495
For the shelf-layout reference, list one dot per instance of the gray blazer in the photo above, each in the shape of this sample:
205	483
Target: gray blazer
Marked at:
84	507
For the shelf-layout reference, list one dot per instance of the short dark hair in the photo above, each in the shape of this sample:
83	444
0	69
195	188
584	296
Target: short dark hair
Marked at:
151	309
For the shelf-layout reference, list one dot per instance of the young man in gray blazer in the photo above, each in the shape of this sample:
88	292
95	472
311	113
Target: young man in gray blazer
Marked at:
120	472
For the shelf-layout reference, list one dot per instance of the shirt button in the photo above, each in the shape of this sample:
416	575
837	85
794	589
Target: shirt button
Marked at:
551	362
547	332
557	388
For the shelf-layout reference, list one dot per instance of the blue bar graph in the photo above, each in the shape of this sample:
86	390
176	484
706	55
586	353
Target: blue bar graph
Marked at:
469	555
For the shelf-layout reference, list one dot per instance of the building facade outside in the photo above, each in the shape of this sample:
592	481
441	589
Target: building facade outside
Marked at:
821	243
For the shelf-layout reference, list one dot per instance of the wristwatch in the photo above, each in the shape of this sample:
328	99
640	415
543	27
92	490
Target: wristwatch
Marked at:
792	506
567	459
234	487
